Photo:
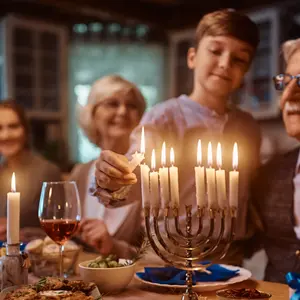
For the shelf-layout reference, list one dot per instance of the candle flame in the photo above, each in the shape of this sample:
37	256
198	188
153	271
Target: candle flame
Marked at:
209	155
163	154
219	156
153	163
199	153
13	182
172	156
235	157
143	141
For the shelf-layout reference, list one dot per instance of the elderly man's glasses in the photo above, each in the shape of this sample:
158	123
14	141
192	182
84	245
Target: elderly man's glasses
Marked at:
282	80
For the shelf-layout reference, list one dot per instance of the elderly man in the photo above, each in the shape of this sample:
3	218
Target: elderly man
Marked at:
277	188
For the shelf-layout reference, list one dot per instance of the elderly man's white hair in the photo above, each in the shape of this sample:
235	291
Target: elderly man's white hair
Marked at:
289	48
100	90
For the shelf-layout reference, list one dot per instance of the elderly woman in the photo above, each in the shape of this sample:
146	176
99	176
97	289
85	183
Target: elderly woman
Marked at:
30	168
114	108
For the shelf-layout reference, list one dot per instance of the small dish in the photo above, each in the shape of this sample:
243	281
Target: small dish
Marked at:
242	294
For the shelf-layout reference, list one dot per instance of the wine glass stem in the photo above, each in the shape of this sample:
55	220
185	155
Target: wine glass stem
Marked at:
61	263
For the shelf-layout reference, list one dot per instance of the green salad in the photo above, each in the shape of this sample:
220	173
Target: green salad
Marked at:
109	261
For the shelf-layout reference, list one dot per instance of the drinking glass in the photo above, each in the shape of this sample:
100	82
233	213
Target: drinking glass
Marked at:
59	212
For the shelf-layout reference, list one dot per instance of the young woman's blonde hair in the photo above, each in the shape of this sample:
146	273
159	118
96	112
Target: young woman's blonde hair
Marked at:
102	89
288	48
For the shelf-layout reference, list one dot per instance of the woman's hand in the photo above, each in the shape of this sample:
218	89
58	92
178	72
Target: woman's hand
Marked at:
113	171
3	222
94	233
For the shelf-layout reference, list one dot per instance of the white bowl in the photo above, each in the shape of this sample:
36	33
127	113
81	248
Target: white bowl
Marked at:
108	280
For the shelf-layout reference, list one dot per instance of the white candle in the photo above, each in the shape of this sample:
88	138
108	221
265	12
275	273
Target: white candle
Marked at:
13	214
145	185
199	178
211	180
234	179
137	158
174	181
164	178
221	183
154	190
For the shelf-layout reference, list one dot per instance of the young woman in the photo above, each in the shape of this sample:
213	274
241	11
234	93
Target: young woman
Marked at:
30	169
225	43
114	108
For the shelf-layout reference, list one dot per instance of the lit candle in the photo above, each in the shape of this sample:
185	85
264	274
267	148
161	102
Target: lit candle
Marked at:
13	214
154	190
199	177
221	183
174	181
137	158
211	180
144	175
234	179
164	178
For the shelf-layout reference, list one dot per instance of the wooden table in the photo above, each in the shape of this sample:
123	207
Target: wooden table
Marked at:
138	291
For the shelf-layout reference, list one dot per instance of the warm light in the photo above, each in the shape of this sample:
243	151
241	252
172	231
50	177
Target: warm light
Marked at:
219	156
13	183
172	156
143	141
235	157
199	153
153	163
163	154
209	155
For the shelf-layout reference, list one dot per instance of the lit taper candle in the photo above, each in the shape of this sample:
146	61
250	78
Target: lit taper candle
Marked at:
200	178
174	181
221	182
234	179
13	214
211	180
164	178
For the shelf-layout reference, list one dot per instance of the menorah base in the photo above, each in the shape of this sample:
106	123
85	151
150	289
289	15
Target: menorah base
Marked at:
189	296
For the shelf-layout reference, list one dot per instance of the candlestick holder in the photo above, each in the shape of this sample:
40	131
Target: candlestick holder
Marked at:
184	249
14	267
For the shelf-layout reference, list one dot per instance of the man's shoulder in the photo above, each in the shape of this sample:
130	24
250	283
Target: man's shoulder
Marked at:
281	161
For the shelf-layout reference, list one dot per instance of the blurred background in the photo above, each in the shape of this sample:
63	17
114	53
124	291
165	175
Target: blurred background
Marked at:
52	50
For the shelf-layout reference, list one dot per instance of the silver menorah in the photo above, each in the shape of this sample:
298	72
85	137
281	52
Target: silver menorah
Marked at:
185	249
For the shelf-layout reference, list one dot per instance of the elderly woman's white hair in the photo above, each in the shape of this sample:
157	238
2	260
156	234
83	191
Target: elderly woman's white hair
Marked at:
289	48
102	89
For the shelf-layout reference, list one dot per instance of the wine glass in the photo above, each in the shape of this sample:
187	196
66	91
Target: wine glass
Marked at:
59	212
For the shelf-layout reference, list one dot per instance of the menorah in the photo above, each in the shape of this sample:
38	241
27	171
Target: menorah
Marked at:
186	248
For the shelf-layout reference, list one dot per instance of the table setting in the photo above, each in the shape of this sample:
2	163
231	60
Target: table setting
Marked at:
174	262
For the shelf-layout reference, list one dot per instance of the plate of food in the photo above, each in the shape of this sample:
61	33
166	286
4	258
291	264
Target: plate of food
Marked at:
54	289
201	286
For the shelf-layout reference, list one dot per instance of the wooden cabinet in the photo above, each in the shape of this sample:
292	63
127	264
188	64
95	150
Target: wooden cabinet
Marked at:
33	68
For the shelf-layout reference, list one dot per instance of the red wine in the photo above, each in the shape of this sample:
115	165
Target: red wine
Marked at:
59	230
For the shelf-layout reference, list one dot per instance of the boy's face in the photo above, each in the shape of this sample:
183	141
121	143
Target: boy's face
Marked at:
219	64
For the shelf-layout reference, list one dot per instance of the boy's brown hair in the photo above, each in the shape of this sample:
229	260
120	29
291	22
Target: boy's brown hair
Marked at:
228	22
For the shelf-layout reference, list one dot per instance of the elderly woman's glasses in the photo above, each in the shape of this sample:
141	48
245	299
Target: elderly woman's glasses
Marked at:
282	80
